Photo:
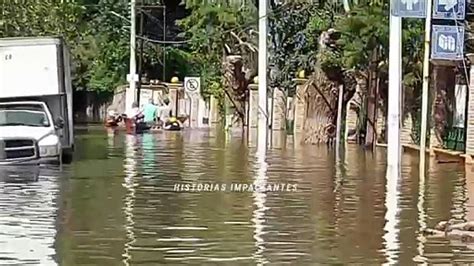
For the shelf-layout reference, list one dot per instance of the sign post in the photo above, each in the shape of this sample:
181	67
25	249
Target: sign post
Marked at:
399	9
446	43
192	87
408	8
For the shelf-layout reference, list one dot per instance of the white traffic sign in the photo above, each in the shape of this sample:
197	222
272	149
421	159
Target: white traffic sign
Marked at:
409	8
192	84
449	9
447	42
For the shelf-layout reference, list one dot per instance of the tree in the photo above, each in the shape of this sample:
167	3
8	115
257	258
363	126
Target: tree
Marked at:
358	49
222	48
94	35
291	47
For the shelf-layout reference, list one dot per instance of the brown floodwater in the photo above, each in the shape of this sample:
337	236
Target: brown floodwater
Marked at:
118	204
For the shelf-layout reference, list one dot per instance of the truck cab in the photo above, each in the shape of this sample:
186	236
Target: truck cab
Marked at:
35	101
29	133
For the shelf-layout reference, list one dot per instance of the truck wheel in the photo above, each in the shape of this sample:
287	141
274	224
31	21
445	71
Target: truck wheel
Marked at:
66	157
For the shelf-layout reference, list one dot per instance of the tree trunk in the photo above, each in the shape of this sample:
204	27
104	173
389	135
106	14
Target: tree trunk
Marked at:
322	98
236	85
321	104
371	100
444	82
371	105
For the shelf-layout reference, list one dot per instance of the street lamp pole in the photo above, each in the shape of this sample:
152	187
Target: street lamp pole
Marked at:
394	94
426	82
130	92
262	128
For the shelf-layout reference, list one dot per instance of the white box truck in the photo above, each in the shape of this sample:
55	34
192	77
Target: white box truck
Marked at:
36	120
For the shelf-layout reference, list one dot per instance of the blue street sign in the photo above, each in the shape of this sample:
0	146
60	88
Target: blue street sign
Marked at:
409	8
449	9
447	42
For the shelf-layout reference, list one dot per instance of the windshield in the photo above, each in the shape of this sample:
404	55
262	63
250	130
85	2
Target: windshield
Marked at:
23	115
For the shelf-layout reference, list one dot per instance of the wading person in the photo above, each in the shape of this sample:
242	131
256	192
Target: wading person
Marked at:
164	112
149	113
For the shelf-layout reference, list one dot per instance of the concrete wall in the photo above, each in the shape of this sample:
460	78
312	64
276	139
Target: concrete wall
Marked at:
406	131
279	110
253	106
214	111
381	126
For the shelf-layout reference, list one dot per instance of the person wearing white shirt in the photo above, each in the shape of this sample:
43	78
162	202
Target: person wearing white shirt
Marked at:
163	112
134	112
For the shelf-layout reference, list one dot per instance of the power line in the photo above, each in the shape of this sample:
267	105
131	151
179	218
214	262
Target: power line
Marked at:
163	42
240	27
143	11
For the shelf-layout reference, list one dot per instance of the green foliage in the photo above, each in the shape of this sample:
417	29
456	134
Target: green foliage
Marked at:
179	59
106	36
209	30
364	31
413	35
96	38
96	32
287	28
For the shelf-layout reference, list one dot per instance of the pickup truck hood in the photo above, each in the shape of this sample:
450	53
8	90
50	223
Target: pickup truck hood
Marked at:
24	132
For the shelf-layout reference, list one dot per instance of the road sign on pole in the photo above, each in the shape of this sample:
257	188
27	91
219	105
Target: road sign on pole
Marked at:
449	9
192	85
409	8
447	42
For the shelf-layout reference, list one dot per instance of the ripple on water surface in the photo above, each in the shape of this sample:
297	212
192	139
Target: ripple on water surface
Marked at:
27	216
116	204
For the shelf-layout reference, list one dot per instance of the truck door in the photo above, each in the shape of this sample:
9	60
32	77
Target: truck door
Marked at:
58	106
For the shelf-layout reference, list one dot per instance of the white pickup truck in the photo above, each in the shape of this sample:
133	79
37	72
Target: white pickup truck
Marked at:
36	123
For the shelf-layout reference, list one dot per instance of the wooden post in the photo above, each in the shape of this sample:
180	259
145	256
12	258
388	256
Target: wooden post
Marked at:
339	119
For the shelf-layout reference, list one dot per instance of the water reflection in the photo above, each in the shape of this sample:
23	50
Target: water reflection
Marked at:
258	218
421	220
469	176
27	220
129	184
19	174
116	205
148	150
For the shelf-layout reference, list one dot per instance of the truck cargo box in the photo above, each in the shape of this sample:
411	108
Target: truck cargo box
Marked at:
38	69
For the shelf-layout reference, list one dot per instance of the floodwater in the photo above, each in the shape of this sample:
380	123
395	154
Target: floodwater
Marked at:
117	205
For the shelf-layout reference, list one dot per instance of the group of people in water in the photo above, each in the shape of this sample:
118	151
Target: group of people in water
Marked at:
150	116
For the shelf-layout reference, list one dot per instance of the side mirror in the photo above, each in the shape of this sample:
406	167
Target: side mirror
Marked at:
59	123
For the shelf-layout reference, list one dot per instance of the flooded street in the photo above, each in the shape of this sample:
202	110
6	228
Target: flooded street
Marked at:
116	205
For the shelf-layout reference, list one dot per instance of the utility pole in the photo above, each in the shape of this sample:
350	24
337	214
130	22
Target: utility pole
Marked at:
262	129
130	93
394	104
164	43
425	88
393	148
339	121
140	62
